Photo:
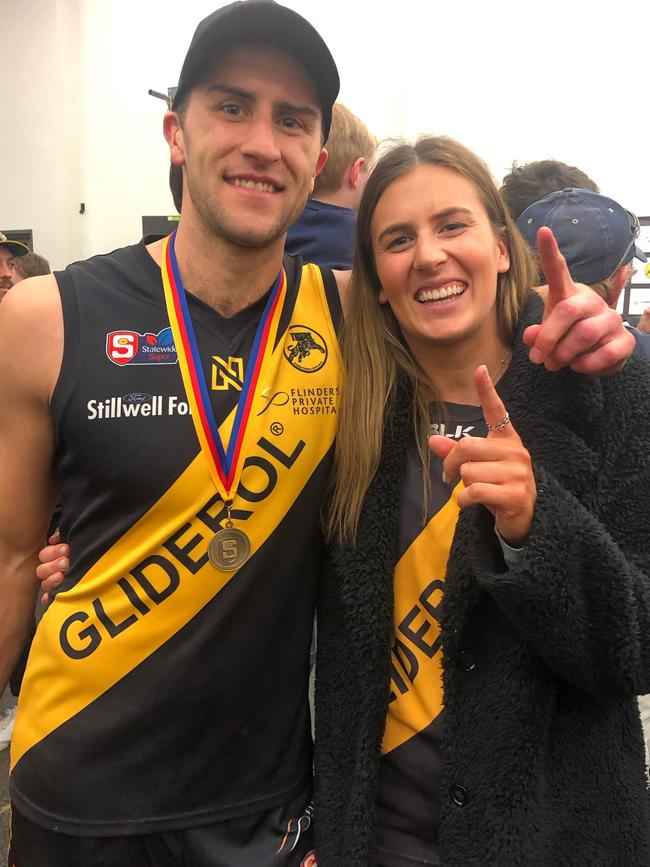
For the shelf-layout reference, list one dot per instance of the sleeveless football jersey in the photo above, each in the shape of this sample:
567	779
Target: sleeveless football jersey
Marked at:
162	692
408	804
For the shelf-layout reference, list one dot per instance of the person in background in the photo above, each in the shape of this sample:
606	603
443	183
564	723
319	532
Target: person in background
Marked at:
31	265
597	237
525	184
324	232
10	251
531	182
484	625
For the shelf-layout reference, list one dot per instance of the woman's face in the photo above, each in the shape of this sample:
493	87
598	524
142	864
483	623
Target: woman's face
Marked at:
437	258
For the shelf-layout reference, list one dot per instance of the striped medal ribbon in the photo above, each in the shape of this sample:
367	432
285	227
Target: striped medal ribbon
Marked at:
230	547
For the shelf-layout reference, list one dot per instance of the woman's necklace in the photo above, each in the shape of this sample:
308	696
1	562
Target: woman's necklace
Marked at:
501	369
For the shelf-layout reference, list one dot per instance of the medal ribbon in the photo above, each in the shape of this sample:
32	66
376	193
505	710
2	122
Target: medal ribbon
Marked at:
225	466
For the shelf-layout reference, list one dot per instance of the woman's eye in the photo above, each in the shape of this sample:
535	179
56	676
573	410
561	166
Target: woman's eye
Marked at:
398	241
453	227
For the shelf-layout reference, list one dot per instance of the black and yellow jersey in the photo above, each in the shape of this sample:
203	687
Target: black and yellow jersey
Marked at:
408	805
160	691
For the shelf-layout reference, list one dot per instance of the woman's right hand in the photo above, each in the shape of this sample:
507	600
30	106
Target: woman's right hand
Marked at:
496	470
54	560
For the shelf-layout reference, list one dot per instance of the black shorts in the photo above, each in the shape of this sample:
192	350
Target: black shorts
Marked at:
280	837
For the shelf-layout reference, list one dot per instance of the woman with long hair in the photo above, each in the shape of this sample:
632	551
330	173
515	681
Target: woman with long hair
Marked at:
484	623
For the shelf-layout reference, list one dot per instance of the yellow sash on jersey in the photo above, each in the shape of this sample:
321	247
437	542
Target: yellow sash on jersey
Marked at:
141	592
417	653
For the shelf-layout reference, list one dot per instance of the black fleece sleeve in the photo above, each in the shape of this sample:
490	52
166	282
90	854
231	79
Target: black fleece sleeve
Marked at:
580	592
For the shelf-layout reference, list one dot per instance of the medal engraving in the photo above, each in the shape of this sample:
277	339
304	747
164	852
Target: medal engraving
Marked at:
229	549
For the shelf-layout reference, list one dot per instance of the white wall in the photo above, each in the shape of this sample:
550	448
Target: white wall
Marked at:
511	79
42	136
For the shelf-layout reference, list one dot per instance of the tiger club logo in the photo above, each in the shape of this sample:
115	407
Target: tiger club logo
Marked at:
305	349
309	860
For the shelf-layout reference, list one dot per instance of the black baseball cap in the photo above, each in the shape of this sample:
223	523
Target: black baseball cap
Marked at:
255	21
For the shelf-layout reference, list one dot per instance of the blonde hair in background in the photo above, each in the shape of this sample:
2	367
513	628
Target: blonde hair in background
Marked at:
374	350
348	140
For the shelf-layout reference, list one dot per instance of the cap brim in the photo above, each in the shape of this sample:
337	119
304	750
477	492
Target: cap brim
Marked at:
16	247
637	253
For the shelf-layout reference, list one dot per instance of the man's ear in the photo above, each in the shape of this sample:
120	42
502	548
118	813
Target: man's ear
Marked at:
354	172
320	165
619	280
173	132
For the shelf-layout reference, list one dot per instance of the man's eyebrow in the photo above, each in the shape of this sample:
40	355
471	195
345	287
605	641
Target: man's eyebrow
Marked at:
231	89
441	215
248	95
291	108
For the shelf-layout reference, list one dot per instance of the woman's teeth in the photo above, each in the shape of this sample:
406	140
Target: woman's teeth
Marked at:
439	294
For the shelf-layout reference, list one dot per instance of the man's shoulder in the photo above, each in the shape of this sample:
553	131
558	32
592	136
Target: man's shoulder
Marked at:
31	334
642	348
334	280
111	280
32	299
128	258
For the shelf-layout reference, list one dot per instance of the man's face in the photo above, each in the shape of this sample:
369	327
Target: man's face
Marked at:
7	271
250	142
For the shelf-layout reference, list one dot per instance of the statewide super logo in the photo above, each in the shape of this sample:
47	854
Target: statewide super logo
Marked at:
130	347
305	349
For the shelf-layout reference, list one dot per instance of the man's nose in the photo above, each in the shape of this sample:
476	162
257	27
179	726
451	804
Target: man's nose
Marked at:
261	141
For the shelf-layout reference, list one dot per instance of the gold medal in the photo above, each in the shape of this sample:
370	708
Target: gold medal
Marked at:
229	549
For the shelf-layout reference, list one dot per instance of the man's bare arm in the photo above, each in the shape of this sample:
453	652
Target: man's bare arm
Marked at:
31	337
343	279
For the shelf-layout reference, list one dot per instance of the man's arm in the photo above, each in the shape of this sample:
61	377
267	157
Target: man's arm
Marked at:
31	337
343	283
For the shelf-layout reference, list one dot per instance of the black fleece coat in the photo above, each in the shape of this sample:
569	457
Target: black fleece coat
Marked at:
542	751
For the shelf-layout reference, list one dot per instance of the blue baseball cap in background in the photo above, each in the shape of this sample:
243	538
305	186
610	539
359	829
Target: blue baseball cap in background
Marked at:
595	234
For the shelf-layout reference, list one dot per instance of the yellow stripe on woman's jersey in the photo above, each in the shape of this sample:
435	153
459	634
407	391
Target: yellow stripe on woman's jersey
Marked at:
418	671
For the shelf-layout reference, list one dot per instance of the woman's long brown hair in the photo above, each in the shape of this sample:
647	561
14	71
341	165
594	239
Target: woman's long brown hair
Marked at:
372	344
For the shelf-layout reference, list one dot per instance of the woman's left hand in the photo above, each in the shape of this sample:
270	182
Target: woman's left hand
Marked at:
579	330
496	470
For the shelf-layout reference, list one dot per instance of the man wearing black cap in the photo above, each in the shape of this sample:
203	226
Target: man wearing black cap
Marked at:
9	251
164	716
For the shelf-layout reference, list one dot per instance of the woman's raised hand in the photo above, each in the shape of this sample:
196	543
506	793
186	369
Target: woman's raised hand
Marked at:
579	329
496	470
